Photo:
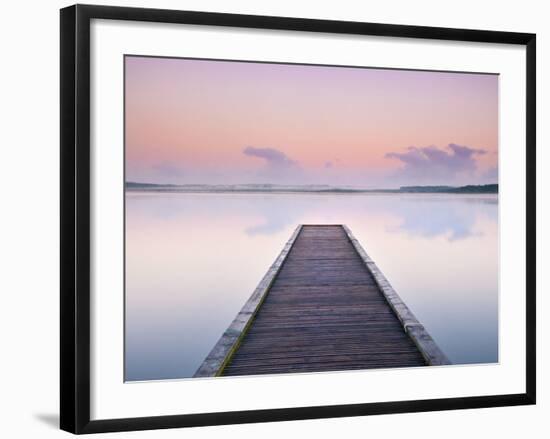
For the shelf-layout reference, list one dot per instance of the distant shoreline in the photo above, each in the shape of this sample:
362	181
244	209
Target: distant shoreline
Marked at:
312	189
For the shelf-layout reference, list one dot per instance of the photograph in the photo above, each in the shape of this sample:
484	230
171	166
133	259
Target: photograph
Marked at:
284	218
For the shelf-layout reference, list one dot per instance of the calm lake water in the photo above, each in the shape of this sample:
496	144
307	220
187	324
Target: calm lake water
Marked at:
192	260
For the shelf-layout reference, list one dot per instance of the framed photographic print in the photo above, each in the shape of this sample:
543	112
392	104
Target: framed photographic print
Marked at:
268	218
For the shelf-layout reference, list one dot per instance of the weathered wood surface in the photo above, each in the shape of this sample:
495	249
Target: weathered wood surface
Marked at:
325	311
222	352
428	348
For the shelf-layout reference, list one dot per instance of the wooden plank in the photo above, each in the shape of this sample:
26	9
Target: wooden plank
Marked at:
324	311
432	354
229	341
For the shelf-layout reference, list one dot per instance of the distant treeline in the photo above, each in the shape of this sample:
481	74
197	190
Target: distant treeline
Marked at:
470	189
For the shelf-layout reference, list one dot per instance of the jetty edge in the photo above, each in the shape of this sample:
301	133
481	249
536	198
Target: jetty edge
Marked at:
431	352
229	342
322	313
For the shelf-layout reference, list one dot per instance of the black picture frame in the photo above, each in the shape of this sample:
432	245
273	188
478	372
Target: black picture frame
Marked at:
75	217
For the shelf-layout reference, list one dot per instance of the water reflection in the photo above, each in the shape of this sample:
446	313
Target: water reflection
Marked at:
273	221
192	260
451	217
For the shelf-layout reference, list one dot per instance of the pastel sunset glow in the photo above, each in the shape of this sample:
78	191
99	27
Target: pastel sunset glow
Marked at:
224	122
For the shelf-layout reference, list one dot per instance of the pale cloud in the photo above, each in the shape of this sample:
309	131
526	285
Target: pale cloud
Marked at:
430	163
278	166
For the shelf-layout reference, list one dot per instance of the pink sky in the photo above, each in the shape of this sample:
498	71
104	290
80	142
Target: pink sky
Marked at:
198	121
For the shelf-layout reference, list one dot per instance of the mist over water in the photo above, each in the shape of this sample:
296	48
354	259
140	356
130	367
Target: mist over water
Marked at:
192	260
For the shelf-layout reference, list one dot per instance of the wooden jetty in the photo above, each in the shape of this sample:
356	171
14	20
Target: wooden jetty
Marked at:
322	306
